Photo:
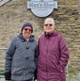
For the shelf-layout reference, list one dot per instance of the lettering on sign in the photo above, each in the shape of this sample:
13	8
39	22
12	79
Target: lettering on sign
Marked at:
42	8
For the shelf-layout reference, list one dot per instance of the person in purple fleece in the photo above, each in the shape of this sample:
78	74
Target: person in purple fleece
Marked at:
53	54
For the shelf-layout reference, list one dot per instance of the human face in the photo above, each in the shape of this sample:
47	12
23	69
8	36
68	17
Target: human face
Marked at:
48	26
27	31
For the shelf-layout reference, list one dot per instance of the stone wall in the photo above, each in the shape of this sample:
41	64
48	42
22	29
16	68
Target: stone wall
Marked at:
67	20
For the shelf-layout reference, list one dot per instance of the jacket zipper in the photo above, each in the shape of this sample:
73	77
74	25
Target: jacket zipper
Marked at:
46	58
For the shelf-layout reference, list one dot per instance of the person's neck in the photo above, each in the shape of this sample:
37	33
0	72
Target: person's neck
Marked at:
49	32
27	38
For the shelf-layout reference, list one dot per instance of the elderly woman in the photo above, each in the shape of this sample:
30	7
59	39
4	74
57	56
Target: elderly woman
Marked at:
53	54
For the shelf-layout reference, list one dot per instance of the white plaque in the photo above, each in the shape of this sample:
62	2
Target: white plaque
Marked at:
42	8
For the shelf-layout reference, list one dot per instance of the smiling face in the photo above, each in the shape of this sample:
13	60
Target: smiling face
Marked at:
48	26
27	31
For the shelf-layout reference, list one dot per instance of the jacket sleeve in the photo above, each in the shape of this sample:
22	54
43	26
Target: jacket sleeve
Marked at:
64	54
36	54
8	60
36	57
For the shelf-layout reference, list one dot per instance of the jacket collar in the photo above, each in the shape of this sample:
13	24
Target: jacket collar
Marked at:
52	34
23	39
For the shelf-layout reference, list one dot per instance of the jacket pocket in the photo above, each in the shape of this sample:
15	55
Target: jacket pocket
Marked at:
16	71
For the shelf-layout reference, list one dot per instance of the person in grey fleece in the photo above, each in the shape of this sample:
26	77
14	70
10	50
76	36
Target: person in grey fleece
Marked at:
21	56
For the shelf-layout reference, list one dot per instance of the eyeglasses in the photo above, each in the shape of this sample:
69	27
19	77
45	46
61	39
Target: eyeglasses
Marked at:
26	29
48	24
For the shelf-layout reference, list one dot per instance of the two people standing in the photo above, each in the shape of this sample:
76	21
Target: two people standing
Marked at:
21	56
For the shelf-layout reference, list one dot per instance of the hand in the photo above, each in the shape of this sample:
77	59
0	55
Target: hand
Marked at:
7	76
35	75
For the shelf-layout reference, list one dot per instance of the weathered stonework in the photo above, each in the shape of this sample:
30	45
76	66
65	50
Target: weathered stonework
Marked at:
67	20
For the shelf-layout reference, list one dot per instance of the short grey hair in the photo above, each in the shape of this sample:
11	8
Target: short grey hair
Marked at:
50	19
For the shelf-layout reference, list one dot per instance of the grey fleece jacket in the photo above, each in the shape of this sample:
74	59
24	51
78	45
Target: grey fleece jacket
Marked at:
20	59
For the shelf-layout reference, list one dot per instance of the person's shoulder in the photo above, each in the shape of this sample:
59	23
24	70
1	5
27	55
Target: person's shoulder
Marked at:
59	34
15	38
42	36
